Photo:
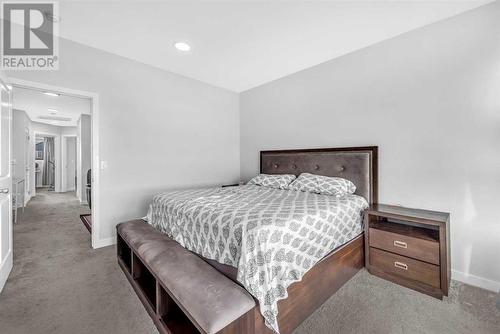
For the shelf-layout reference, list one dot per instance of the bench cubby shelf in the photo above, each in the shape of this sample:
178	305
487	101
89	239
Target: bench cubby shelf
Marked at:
124	255
166	314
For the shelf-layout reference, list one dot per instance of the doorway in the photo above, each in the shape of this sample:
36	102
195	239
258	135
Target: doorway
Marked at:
61	127
70	158
45	163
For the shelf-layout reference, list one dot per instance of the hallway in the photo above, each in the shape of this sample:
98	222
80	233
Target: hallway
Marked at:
56	269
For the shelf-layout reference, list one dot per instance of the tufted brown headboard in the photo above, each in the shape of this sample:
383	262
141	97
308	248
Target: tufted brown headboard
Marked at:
357	164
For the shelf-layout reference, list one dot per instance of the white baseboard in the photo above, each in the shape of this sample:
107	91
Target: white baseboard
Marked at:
104	242
477	281
5	269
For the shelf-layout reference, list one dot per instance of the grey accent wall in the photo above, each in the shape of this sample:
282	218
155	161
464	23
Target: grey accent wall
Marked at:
430	100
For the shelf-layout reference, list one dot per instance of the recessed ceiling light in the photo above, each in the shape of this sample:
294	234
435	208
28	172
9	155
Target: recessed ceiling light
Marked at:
182	46
51	94
52	110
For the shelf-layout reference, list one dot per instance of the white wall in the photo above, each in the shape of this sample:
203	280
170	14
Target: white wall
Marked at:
21	149
157	130
46	128
20	122
430	100
68	131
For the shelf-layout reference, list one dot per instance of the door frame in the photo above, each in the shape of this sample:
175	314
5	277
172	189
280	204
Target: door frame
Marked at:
97	242
57	158
7	262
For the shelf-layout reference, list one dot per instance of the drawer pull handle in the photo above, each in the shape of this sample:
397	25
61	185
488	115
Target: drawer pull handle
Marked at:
400	244
401	265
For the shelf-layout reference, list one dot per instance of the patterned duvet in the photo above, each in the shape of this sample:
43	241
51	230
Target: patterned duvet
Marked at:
273	237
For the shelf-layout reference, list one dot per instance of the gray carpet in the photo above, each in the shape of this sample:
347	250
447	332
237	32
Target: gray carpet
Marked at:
60	285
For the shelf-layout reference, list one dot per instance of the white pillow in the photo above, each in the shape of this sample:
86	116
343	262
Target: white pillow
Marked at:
326	185
278	181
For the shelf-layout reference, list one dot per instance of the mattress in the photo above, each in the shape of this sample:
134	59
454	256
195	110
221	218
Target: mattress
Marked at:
271	237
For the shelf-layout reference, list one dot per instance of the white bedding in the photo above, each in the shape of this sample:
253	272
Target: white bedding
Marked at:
273	237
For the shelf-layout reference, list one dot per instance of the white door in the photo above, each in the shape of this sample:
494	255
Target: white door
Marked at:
5	184
70	163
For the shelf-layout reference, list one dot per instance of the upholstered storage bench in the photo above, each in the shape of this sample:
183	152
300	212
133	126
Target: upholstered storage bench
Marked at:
181	292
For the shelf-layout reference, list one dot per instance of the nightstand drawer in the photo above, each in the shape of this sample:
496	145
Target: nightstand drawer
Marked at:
416	248
405	267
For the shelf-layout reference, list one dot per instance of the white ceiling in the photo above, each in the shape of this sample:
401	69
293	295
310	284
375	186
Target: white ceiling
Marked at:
242	44
36	105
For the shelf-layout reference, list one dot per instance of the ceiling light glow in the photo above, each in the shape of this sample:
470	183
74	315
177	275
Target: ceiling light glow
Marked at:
51	94
182	46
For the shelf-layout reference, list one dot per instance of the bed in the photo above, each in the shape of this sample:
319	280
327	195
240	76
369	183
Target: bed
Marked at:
290	250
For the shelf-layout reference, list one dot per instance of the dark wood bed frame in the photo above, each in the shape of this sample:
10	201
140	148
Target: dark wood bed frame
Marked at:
358	164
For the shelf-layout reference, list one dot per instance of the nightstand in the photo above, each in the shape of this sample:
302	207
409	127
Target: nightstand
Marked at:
409	247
